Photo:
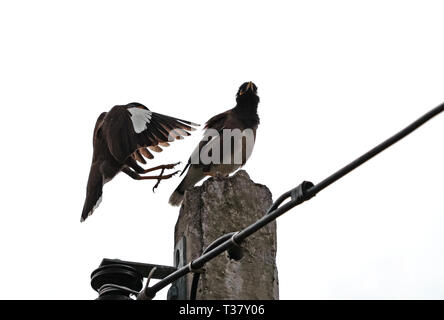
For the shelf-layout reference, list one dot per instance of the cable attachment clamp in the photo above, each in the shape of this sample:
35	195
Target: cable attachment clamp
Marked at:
236	252
300	193
192	270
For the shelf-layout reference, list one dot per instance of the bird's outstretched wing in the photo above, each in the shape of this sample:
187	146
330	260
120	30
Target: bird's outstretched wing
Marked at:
133	129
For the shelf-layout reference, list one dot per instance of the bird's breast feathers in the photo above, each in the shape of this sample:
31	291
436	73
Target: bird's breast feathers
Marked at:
140	118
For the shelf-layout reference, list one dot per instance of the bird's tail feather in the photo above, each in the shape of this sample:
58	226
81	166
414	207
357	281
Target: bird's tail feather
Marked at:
177	197
93	193
178	194
192	177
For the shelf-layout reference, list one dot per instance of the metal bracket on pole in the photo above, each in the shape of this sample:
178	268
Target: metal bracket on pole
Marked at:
178	290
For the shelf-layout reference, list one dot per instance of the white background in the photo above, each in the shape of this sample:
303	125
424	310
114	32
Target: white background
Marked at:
335	78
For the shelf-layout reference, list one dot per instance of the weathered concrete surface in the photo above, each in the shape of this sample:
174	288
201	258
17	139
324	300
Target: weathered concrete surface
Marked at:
223	205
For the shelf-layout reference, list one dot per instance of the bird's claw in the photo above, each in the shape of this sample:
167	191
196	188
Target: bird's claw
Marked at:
219	176
158	180
162	177
172	166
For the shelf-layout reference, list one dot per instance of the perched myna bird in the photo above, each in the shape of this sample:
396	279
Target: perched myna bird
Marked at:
241	119
122	137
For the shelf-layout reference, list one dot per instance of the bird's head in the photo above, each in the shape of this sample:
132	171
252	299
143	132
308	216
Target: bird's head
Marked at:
247	93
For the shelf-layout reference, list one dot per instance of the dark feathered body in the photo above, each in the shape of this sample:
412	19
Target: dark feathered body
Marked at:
242	117
123	136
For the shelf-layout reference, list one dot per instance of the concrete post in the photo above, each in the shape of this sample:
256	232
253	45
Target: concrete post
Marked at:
219	206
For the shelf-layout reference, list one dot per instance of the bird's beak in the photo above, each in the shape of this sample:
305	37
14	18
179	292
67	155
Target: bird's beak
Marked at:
250	86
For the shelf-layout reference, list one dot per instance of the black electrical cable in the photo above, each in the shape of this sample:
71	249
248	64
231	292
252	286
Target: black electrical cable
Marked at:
379	148
196	275
194	285
305	191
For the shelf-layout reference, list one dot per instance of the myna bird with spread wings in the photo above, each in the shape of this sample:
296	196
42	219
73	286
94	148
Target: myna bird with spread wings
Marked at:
244	119
124	136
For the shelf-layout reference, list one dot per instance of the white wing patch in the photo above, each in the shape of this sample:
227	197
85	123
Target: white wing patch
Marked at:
94	208
140	118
